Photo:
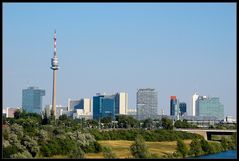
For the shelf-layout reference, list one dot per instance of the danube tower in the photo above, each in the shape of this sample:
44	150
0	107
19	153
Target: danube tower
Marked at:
54	67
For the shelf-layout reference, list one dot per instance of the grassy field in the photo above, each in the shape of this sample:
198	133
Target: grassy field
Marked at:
121	148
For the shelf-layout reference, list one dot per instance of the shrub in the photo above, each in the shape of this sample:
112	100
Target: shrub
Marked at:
107	153
139	149
224	143
205	146
167	123
195	147
21	155
181	148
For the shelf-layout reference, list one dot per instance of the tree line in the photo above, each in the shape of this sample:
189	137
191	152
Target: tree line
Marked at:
29	135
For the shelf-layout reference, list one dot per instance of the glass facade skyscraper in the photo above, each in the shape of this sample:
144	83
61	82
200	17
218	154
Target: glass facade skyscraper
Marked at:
97	107
32	99
210	107
109	105
147	103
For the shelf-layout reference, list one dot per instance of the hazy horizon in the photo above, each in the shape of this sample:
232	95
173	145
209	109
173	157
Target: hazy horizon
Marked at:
176	48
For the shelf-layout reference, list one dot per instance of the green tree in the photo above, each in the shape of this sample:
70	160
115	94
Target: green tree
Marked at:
106	120
43	136
21	155
91	123
45	119
6	132
9	150
31	145
125	121
18	130
178	124
234	140
148	123
17	114
63	117
73	149
205	146
224	143
108	153
181	148
195	147
139	149
167	123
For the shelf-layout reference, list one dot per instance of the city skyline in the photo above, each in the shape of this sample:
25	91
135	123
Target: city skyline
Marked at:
178	49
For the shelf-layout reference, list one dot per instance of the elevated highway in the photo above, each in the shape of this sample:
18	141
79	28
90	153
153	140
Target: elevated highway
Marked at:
207	133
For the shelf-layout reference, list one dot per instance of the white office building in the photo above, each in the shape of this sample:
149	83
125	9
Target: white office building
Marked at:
194	103
122	99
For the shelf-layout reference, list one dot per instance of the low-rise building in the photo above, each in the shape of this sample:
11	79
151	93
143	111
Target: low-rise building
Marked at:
9	111
230	119
81	108
59	110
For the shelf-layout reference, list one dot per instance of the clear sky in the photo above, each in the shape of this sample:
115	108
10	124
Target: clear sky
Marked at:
176	48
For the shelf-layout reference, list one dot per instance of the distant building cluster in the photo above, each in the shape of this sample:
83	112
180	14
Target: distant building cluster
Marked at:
111	105
177	108
105	105
207	106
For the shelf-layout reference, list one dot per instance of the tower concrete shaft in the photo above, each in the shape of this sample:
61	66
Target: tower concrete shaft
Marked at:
54	94
54	67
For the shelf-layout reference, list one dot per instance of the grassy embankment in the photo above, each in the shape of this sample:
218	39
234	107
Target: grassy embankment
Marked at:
121	148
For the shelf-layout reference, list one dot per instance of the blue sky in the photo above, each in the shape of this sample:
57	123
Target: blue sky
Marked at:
176	48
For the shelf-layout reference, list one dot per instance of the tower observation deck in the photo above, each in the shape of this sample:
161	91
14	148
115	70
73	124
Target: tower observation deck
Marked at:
54	60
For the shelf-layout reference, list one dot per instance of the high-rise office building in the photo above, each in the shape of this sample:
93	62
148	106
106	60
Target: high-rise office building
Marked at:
197	103
147	103
97	107
210	107
110	105
173	106
194	104
32	99
121	103
182	108
103	106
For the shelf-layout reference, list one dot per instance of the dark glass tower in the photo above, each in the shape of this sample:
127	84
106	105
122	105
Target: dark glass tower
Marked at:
103	106
173	106
182	108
